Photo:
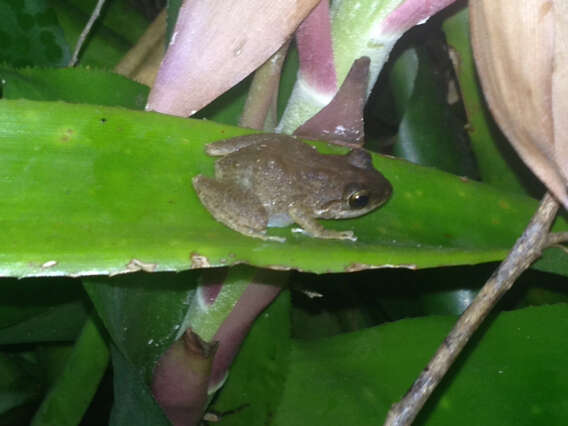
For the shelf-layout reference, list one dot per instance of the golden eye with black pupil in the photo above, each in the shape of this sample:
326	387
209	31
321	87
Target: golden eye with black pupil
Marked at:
359	199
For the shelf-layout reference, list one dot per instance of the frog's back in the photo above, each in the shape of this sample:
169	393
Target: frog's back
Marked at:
281	155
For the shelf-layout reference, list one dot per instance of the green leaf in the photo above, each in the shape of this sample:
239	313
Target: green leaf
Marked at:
258	374
57	323
498	163
514	373
20	386
101	190
40	310
429	134
133	400
118	16
74	389
104	48
78	85
125	203
52	358
30	34
143	313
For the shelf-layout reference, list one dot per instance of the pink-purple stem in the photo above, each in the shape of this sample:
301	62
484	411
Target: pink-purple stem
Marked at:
411	13
191	369
315	50
234	329
181	379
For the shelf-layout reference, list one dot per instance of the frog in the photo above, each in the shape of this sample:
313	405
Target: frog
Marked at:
275	180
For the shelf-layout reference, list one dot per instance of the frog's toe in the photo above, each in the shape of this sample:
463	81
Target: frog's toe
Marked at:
275	238
260	235
348	235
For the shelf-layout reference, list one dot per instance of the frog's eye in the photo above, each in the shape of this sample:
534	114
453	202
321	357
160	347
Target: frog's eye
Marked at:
359	199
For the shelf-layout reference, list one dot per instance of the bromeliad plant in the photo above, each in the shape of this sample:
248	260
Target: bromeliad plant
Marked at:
121	261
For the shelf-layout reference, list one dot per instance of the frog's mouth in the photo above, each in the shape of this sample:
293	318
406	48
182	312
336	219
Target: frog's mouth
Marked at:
343	209
340	209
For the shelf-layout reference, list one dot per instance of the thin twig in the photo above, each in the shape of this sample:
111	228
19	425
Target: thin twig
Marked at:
526	250
85	32
555	238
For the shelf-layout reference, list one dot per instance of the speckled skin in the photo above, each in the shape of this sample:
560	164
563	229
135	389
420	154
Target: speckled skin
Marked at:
276	180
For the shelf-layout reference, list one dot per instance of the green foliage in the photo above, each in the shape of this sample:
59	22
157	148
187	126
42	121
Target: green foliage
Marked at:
116	31
92	187
44	310
20	387
133	403
265	362
77	85
353	378
421	100
30	34
118	190
498	163
514	370
78	381
143	313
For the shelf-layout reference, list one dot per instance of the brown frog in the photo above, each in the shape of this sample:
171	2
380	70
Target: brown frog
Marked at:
265	180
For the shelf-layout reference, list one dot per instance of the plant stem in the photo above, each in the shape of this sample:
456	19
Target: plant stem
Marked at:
526	250
315	50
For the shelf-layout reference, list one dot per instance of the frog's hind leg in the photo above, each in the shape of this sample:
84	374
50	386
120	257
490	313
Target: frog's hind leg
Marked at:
233	206
228	146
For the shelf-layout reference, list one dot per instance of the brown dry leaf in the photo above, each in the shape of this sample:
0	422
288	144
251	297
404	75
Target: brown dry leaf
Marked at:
520	51
216	44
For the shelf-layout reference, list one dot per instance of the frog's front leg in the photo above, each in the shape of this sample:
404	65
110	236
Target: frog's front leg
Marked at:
233	206
314	228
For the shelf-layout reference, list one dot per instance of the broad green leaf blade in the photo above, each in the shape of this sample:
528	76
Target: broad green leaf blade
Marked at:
30	34
133	401
100	190
80	85
72	392
143	313
515	373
